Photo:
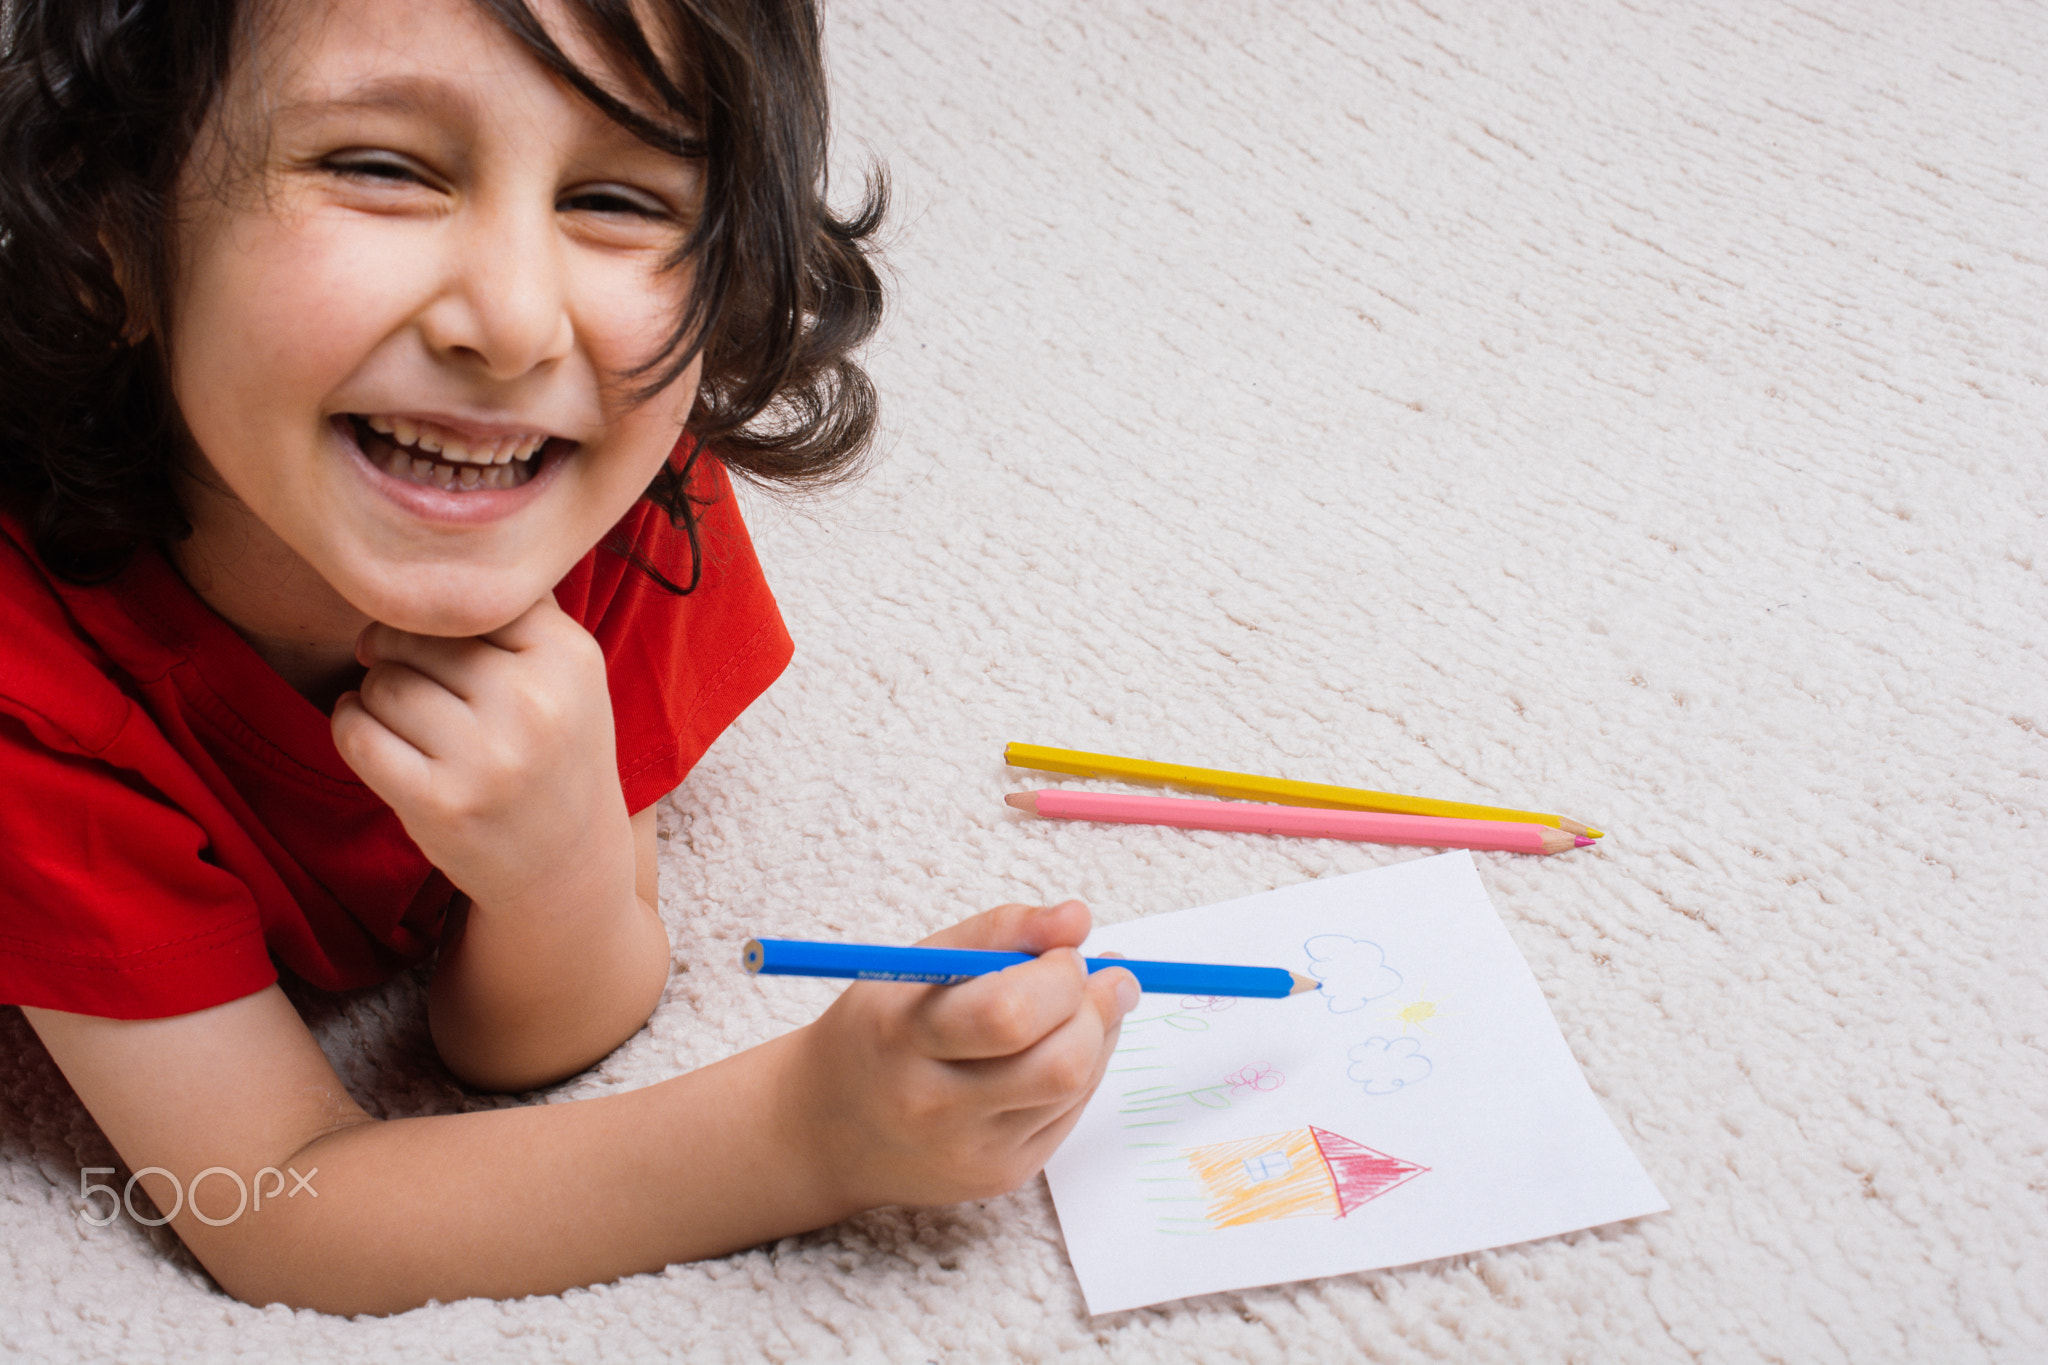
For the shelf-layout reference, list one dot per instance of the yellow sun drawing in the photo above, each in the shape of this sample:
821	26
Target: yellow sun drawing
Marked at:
1418	1013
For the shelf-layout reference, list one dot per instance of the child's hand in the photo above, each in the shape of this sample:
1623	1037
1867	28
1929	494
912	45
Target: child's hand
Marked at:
497	754
934	1094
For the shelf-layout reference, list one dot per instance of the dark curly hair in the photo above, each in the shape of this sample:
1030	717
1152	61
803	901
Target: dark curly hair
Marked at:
102	100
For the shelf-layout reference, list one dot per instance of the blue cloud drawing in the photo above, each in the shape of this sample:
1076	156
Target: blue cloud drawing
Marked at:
1384	1065
1354	972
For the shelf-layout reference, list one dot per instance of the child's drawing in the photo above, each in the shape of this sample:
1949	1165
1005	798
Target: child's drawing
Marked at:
1154	1099
1417	1012
1354	971
1199	1167
1384	1065
1306	1173
1188	1021
1257	1078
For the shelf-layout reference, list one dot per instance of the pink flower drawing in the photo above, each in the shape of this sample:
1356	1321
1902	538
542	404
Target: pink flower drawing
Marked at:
1259	1078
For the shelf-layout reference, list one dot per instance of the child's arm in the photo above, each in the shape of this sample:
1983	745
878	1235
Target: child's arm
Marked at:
897	1094
497	754
519	1003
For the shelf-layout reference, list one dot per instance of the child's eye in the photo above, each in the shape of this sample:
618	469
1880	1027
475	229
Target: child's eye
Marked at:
384	168
612	201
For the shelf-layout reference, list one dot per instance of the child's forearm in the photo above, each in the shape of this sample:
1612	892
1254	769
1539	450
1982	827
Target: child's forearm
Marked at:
519	1002
533	1200
527	993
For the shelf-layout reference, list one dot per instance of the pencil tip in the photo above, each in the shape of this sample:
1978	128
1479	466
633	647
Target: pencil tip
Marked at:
1582	840
1024	801
1304	983
1592	833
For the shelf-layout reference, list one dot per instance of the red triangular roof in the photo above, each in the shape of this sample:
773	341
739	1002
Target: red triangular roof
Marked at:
1358	1171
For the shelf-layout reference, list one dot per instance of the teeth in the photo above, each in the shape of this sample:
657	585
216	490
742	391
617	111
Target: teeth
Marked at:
453	449
500	472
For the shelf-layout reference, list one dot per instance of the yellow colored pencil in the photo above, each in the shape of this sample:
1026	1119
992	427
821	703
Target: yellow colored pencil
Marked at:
1279	791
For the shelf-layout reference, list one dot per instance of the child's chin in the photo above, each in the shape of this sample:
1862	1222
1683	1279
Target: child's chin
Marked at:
455	620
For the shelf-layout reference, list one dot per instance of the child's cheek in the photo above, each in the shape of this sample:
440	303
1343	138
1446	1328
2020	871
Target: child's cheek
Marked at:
626	312
277	313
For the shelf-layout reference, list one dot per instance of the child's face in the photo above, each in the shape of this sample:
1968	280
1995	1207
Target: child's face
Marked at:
440	245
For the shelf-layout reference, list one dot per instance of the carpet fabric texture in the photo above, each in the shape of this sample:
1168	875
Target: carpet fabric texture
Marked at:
1634	409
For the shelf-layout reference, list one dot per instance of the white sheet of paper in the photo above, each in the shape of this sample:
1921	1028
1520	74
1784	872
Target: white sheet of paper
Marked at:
1421	1104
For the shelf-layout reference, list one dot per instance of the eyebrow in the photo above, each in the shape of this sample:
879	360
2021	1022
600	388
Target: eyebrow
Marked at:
413	95
423	97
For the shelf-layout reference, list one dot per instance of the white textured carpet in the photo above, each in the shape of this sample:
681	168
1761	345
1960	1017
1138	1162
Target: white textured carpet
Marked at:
1638	410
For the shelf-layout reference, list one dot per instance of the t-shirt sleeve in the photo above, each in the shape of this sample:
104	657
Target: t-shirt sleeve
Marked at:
681	667
111	904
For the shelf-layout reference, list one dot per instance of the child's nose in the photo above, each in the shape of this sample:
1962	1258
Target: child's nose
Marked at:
503	305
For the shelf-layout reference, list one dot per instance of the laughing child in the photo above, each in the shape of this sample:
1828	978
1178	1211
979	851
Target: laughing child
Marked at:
369	372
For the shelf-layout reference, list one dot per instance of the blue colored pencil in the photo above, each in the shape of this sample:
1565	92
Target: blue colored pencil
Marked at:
949	966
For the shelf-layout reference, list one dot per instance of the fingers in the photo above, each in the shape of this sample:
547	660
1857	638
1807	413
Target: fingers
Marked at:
1062	1069
386	762
1051	1123
1005	1013
1033	1035
417	709
1019	929
451	663
446	658
533	627
428	689
1049	1086
1001	1014
963	1091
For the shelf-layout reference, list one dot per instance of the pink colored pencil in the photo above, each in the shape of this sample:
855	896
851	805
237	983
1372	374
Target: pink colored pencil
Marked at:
1247	817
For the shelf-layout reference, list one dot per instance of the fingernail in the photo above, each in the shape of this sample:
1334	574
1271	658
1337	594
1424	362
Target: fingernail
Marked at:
1127	992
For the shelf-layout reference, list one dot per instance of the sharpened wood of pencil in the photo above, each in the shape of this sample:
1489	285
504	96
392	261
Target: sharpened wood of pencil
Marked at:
1372	827
1251	787
951	966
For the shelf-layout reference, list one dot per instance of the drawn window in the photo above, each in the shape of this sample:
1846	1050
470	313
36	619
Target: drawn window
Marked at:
1268	1166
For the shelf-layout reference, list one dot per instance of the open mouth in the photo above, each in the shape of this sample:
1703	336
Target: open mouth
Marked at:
435	457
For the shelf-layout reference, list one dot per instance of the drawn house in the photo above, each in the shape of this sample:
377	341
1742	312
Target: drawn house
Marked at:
1305	1173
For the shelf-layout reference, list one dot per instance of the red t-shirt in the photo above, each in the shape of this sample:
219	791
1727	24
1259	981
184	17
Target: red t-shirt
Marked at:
173	815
